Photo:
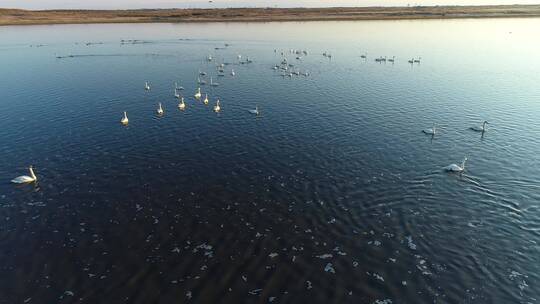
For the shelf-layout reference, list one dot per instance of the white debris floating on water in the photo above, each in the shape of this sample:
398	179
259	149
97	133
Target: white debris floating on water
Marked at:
329	268
255	292
410	242
376	276
522	284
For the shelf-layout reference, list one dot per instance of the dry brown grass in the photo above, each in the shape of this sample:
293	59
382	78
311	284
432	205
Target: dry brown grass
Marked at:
21	17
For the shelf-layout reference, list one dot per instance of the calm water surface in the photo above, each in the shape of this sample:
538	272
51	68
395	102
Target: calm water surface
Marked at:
332	195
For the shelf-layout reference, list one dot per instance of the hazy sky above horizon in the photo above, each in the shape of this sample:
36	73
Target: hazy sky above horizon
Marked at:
123	4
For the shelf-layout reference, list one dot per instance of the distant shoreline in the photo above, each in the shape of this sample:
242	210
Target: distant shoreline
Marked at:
28	17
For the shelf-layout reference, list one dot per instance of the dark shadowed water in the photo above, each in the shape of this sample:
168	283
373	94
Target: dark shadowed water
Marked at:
332	195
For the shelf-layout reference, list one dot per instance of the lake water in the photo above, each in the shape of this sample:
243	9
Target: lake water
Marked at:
332	195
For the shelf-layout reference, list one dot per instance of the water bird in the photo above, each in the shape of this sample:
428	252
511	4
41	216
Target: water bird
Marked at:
417	60
212	83
363	55
178	87
456	168
411	61
202	73
124	119
159	109
232	72
201	81
182	104
176	93
209	58
481	128
217	108
205	99
392	59
430	131
146	86
198	94
24	179
255	111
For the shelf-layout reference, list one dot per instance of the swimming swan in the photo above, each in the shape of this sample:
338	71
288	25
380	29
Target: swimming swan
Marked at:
146	86
125	119
481	128
456	168
23	179
205	99
198	94
159	110
255	111
217	108
182	104
430	131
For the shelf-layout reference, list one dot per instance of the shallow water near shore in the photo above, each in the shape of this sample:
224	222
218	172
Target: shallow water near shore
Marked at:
332	195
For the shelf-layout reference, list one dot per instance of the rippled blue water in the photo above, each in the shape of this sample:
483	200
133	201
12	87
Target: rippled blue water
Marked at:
332	195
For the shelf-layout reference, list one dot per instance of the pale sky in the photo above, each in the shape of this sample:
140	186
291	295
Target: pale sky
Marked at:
124	4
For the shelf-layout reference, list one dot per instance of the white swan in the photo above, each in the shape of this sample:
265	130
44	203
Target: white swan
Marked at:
255	111
481	128
456	168
205	99
198	94
23	179
232	72
159	109
217	108
176	95
430	131
125	119
176	87
202	73
146	86
182	104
